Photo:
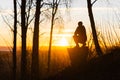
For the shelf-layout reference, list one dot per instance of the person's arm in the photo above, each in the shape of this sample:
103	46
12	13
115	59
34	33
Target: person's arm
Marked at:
84	30
76	31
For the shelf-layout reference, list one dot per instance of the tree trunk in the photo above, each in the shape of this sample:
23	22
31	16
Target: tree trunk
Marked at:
24	30
54	11
35	49
15	39
50	43
97	46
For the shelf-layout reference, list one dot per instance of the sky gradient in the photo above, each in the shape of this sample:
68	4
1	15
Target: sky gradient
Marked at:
106	12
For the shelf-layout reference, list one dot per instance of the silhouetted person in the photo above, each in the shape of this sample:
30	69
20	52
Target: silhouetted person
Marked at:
80	35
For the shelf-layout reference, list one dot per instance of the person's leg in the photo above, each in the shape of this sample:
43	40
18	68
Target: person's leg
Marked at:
84	44
76	41
83	41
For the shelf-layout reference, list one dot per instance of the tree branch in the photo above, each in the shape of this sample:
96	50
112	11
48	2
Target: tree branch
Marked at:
6	21
93	2
19	3
8	24
31	20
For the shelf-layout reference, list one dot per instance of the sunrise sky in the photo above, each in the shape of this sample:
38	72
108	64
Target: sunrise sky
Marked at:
106	12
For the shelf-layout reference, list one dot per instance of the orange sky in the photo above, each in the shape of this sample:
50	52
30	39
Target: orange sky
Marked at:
104	16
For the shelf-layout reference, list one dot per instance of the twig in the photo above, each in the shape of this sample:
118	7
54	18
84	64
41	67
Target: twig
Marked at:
93	2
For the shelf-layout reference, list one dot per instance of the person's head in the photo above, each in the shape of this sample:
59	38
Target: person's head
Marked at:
80	23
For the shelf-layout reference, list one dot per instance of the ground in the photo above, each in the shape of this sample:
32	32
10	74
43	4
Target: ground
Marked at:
106	67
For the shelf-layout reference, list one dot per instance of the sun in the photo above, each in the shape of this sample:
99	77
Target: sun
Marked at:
63	42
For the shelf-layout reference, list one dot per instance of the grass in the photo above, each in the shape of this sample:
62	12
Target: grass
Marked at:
59	60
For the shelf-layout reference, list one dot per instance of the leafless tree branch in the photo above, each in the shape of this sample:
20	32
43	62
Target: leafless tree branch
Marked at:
9	25
93	2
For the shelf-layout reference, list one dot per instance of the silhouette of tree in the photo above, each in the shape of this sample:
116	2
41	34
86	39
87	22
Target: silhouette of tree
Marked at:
54	5
35	48
91	17
26	6
24	31
15	39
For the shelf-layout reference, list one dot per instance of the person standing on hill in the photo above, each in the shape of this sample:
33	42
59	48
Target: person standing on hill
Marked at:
80	35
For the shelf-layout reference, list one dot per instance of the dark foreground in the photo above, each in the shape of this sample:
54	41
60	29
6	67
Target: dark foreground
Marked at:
106	67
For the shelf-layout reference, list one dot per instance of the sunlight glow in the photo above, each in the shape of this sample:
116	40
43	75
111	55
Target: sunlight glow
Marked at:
63	42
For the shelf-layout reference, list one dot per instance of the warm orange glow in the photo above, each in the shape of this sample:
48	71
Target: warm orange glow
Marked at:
62	42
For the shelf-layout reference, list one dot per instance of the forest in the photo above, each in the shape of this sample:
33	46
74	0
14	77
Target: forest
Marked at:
38	40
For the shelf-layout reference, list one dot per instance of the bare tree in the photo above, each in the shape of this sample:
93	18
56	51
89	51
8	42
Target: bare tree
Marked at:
54	5
15	39
26	19
91	17
35	47
24	31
